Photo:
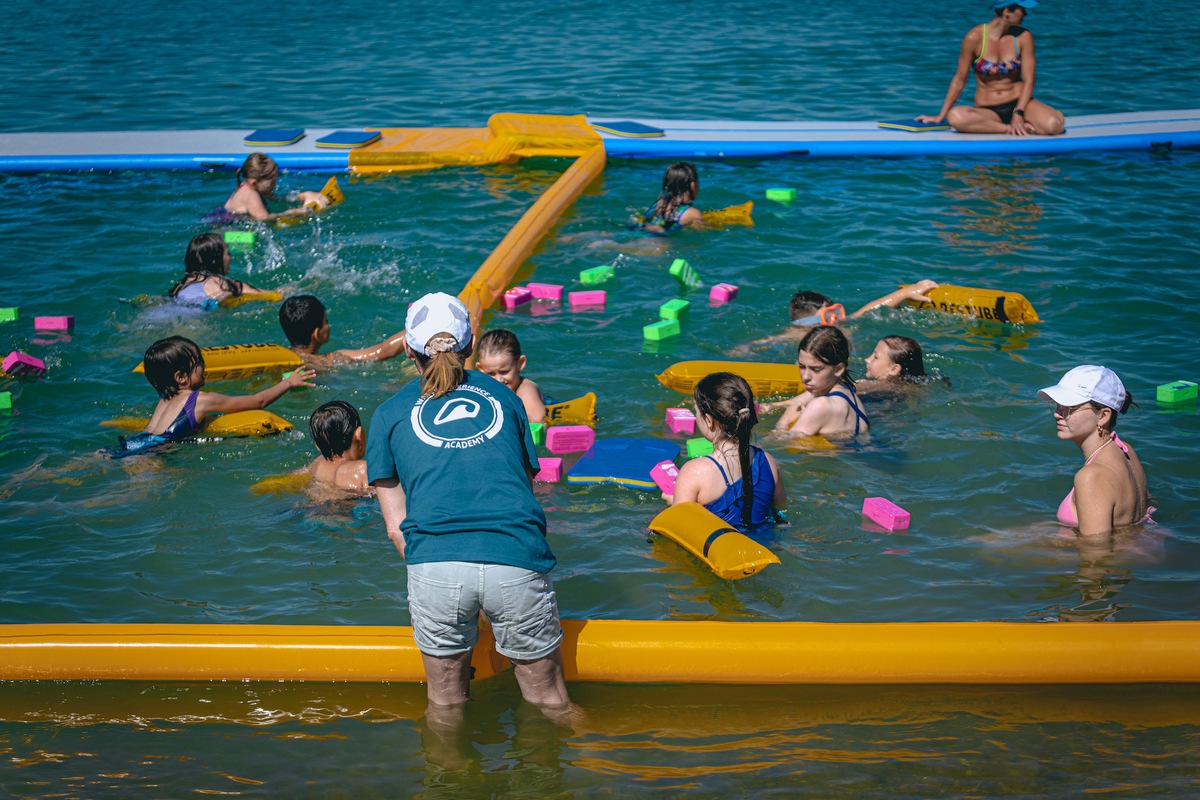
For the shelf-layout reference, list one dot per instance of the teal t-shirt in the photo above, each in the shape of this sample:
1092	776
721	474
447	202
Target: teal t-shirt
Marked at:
461	460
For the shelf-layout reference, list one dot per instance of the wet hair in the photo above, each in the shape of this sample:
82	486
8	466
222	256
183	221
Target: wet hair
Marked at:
445	370
257	166
499	340
204	259
676	189
728	399
166	358
332	427
907	353
1112	420
299	316
830	346
805	304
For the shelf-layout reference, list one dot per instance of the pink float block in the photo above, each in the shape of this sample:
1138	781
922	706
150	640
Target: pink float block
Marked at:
53	323
549	470
681	420
722	293
517	296
664	474
594	297
569	438
546	291
886	513
17	363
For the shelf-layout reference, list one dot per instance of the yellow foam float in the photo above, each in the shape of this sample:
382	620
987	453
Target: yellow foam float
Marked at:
991	304
236	424
733	215
580	411
766	380
234	361
725	550
332	192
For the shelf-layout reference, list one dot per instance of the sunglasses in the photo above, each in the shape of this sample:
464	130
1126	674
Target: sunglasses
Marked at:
1066	411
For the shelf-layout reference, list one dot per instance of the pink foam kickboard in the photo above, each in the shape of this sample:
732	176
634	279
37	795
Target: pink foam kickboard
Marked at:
594	297
681	420
549	470
664	474
886	513
53	323
17	363
722	293
569	438
546	291
517	296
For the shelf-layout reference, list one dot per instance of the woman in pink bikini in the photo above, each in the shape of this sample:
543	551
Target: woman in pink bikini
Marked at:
1000	53
1110	490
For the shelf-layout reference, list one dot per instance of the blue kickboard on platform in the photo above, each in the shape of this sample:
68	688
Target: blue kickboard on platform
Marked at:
349	139
912	126
628	128
625	461
274	137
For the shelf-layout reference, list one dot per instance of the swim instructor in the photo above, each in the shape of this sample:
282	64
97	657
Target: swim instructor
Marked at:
452	459
1000	53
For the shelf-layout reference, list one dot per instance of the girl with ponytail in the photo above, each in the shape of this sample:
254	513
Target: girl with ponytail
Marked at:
725	416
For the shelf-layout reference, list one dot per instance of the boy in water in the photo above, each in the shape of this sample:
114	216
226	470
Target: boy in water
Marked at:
306	325
338	433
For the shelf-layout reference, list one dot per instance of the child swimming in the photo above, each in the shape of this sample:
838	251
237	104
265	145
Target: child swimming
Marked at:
725	416
896	358
829	405
305	323
498	355
175	368
256	179
673	208
204	282
338	433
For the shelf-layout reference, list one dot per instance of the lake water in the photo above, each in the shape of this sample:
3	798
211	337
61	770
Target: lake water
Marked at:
1103	245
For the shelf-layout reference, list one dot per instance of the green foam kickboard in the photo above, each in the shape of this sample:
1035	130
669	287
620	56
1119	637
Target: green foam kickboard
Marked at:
594	276
781	195
683	272
1176	392
239	238
674	309
663	329
10	314
698	447
5	401
538	429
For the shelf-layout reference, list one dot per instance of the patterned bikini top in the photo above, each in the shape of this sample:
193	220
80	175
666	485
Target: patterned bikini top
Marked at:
985	67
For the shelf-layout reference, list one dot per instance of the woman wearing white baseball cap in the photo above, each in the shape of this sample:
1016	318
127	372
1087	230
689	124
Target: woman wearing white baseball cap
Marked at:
452	459
1110	490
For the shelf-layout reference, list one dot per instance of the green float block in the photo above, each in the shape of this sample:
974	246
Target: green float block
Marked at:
781	195
1176	392
674	309
685	274
239	238
10	314
5	401
663	329
538	429
699	447
594	276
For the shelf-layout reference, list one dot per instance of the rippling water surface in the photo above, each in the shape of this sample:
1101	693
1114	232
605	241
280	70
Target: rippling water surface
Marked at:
1103	245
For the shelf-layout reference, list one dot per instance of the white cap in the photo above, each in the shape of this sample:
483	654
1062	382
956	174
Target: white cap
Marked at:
433	314
1085	383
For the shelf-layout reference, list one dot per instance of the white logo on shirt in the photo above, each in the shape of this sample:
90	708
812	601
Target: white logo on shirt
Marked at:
472	421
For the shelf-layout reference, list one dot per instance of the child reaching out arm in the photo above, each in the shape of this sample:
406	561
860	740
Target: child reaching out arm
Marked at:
305	323
499	356
257	177
338	433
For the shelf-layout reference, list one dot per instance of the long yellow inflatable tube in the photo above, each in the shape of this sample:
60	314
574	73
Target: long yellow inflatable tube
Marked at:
629	652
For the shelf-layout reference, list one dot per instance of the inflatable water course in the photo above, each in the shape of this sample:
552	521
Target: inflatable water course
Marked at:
636	651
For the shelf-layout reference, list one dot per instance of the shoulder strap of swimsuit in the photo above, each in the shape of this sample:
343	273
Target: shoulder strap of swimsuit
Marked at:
859	416
724	477
983	47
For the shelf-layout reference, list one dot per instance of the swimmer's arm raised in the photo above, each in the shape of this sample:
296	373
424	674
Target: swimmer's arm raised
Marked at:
917	292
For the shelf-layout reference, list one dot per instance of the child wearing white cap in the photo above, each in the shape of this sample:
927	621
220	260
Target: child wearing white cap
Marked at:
1110	490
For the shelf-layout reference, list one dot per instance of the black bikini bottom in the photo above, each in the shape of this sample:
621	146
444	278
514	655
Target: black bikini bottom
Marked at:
1004	111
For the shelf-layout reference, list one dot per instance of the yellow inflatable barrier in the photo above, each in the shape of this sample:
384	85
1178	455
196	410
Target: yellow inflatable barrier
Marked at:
331	190
989	304
766	380
580	411
233	361
734	215
628	651
727	552
239	423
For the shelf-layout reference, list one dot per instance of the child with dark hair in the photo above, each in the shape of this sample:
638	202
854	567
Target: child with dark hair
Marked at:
738	482
305	322
175	368
673	208
498	354
829	405
338	433
204	282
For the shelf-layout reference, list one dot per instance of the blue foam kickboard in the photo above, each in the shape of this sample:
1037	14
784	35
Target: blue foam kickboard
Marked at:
628	128
348	139
274	137
622	460
912	126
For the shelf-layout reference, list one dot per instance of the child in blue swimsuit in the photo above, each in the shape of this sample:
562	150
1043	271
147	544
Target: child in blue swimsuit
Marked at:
829	405
725	416
673	208
175	368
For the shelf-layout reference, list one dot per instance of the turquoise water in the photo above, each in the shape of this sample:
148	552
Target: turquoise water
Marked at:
1104	246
